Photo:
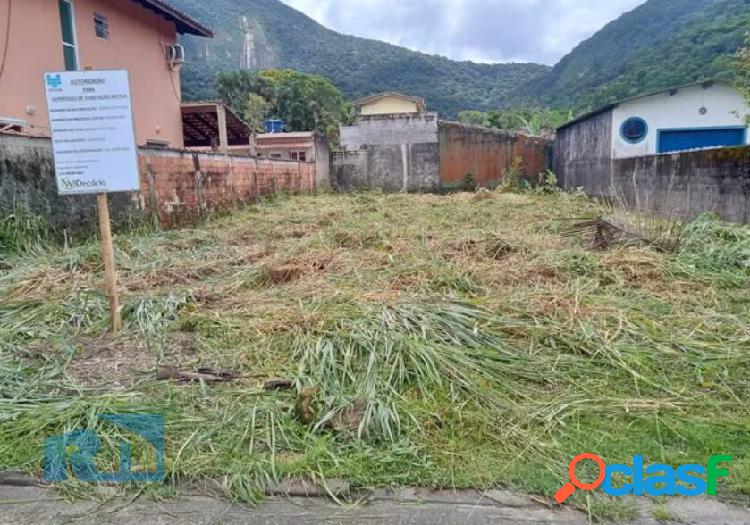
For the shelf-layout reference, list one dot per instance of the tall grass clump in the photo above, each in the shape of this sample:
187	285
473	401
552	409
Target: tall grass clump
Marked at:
35	320
151	317
21	232
513	180
376	360
715	250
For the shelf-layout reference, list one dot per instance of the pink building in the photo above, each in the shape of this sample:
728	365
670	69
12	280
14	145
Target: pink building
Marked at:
39	36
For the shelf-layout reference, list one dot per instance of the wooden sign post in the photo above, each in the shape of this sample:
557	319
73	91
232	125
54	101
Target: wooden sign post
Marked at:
93	142
110	270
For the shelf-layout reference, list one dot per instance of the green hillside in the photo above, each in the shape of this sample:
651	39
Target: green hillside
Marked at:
660	44
284	37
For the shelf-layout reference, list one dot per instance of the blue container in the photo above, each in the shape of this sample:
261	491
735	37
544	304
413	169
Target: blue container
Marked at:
274	126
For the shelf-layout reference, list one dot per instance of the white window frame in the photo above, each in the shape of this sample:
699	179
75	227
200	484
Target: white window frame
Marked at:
74	45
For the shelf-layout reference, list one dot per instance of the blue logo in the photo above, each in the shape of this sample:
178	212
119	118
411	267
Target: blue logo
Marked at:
83	446
54	81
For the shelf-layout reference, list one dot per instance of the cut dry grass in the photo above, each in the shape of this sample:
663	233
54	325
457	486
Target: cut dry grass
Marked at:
442	340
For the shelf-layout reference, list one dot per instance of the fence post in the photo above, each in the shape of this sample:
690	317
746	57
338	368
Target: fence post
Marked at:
199	185
236	199
153	202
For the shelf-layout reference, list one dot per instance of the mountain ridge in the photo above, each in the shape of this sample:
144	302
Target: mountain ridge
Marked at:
358	66
655	45
680	42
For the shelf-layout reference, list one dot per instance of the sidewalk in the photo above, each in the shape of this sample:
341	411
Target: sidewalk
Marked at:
34	505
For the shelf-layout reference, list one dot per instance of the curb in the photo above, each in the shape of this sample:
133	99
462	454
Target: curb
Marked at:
13	478
289	488
336	488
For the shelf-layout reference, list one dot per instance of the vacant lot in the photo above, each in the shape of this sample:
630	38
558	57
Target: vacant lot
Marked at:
444	341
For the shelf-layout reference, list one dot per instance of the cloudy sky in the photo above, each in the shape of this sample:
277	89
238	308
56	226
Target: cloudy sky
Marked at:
480	30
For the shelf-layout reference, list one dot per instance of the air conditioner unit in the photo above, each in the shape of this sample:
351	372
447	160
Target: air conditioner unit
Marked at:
175	55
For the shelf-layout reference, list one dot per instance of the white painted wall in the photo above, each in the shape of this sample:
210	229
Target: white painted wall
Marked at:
724	104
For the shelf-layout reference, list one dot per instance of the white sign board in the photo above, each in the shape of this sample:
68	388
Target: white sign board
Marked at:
91	119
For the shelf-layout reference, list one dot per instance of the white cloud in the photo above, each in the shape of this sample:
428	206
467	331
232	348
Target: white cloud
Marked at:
480	30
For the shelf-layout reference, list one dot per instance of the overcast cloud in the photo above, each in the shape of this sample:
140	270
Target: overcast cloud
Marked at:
480	30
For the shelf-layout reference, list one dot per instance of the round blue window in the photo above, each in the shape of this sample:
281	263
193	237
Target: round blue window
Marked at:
634	130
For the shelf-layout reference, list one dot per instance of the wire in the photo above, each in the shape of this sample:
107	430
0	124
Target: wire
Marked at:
174	70
7	39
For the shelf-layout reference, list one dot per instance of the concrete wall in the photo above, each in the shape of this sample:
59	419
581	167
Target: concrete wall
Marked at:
136	43
349	170
388	130
394	168
283	146
687	184
402	153
583	154
680	185
27	180
487	154
416	153
724	107
322	159
176	186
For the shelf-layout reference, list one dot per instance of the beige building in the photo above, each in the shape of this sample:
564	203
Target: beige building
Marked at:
390	103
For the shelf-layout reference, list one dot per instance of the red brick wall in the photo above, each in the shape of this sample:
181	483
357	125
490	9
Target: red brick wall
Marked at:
177	186
487	154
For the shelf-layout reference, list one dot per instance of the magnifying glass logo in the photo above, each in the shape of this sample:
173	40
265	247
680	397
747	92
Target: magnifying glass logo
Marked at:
567	491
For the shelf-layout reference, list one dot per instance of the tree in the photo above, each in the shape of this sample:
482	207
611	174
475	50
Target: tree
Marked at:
349	115
234	88
532	121
474	118
742	69
256	111
304	102
307	102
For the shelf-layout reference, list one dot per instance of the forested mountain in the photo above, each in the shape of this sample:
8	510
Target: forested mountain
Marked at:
659	44
285	38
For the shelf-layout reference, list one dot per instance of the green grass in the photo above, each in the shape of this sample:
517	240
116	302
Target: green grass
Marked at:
22	232
449	343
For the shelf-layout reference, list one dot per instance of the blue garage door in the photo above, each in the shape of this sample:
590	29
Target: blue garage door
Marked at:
684	139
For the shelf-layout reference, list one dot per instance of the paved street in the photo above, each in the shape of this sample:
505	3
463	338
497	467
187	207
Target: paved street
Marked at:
32	505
